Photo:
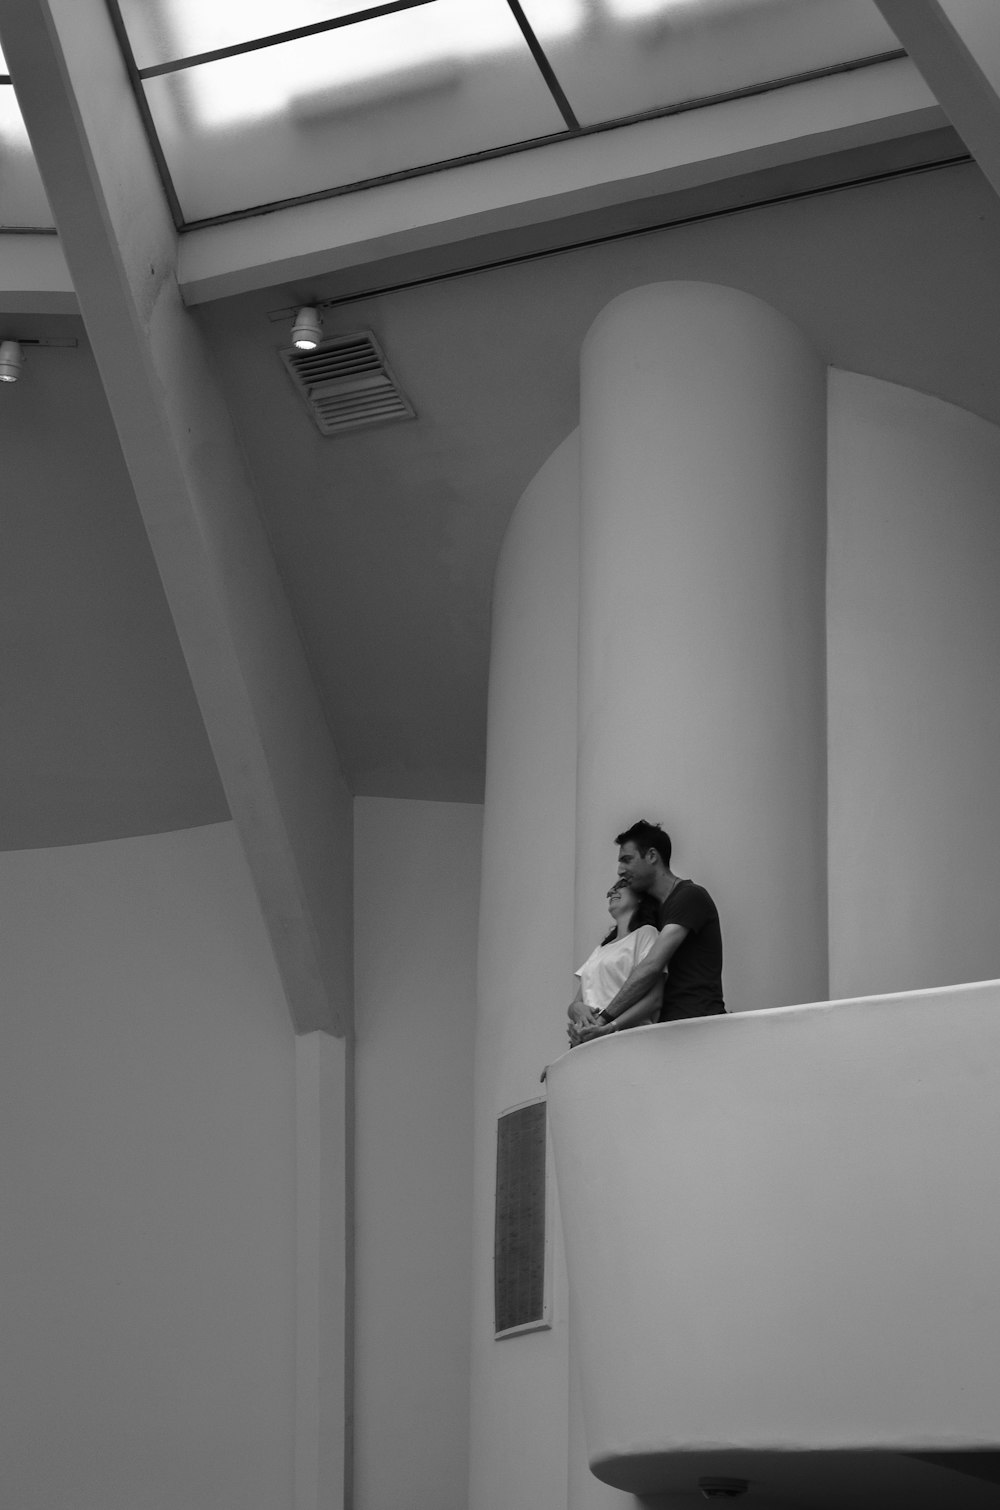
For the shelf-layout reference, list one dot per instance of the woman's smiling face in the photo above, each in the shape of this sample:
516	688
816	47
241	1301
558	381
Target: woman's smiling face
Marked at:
622	901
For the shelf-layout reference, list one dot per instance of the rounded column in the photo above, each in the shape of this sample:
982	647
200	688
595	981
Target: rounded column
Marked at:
702	619
518	1386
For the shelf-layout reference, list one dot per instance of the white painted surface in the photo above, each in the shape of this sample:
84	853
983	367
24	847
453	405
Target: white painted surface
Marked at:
702	644
417	887
585	1491
800	1209
914	716
701	684
519	1384
324	1251
147	1181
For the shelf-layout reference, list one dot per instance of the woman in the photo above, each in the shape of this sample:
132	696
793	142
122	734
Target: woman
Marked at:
605	971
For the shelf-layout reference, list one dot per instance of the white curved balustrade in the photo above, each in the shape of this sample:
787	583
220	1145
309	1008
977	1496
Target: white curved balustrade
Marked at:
783	1238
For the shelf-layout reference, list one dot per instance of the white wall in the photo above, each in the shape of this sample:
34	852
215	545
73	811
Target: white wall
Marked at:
147	1087
914	710
416	898
519	1384
147	1094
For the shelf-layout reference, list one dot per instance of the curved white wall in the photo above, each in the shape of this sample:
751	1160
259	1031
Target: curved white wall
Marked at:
800	1210
519	1384
696	566
703	470
914	715
148	1091
689	684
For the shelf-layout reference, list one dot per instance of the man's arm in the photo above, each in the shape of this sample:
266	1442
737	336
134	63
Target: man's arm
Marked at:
647	972
645	1010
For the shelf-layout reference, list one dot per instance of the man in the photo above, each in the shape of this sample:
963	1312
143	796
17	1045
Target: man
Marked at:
688	949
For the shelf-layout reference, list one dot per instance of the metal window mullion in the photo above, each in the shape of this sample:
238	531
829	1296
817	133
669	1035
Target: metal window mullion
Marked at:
146	115
545	68
275	39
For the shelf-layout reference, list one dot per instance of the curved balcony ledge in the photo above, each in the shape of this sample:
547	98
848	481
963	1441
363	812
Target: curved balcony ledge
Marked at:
783	1240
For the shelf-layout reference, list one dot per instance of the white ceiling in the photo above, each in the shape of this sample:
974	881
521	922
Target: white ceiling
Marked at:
387	538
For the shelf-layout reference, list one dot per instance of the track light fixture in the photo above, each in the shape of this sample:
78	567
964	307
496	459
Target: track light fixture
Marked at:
10	361
307	331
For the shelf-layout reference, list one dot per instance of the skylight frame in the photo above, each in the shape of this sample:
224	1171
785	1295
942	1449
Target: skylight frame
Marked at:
26	227
275	39
573	129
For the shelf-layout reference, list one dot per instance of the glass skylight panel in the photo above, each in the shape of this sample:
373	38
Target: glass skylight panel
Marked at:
161	31
430	81
392	93
23	204
625	57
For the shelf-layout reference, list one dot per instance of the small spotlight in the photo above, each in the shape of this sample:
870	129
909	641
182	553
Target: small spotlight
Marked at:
10	361
307	332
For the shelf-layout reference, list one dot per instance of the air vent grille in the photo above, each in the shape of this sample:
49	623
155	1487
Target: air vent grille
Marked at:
346	383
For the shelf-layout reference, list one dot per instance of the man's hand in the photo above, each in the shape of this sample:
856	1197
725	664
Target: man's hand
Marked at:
597	1030
580	1018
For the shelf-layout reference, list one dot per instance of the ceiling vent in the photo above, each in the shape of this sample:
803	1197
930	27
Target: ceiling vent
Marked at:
346	383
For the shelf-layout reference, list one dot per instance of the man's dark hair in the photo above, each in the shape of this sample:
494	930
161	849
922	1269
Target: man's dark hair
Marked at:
646	836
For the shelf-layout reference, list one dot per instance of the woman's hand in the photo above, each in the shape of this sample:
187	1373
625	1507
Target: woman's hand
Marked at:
597	1029
580	1017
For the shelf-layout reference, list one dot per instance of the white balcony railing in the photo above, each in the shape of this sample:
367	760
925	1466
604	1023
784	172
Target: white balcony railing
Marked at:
783	1240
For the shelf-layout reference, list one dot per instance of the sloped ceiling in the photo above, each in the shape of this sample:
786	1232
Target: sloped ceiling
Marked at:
387	538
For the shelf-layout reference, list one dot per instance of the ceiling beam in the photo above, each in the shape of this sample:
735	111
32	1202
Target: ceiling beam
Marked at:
956	46
268	732
646	160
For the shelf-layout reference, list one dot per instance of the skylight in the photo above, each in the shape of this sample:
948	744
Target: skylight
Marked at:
253	104
23	205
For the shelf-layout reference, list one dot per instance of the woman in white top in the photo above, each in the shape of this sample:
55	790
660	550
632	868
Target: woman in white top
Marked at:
605	971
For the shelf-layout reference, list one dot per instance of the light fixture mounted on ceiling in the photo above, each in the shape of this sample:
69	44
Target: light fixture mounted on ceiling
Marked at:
11	361
307	331
12	353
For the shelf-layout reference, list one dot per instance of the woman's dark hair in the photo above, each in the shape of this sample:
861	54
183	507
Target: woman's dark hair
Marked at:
646	910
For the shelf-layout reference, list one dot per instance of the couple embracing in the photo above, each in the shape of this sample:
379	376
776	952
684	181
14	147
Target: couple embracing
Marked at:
662	959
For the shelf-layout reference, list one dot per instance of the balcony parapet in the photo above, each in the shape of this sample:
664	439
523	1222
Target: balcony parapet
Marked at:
783	1242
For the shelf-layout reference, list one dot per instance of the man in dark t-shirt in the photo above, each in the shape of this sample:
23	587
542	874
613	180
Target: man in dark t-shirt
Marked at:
694	977
689	947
